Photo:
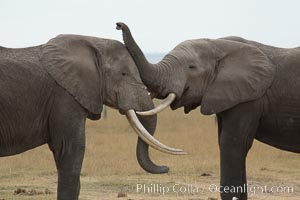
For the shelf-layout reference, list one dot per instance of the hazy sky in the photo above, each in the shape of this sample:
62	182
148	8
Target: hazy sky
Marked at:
157	25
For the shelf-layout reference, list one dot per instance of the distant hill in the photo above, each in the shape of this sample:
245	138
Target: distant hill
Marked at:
154	57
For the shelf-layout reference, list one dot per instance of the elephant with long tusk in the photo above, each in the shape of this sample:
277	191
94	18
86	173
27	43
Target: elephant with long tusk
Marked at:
146	137
254	89
48	91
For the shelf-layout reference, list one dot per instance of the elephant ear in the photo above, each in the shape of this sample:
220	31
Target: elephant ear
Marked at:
75	64
243	73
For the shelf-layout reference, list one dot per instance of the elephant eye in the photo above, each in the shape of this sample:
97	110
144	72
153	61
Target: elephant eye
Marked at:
192	67
123	74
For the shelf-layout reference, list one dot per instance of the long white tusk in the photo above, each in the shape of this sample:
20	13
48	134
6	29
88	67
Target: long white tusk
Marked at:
147	137
164	104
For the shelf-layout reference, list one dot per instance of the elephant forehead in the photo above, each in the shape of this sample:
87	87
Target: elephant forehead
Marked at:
193	50
116	57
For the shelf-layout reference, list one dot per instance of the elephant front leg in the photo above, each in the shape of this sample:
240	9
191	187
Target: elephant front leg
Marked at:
68	154
237	129
69	168
233	170
67	142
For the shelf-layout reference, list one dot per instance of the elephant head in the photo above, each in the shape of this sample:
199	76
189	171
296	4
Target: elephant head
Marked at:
216	74
99	71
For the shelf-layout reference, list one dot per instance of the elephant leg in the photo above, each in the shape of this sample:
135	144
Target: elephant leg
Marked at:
67	142
219	123
238	129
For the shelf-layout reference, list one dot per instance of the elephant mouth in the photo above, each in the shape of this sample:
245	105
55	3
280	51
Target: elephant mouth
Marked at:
176	104
191	107
178	101
186	101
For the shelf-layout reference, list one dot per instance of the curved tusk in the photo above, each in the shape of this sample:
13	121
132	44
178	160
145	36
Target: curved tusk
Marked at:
147	137
164	104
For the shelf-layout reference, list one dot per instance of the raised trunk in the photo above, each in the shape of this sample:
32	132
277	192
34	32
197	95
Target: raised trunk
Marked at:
149	73
157	77
142	149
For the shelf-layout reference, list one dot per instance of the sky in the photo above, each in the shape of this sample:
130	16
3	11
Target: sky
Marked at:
157	25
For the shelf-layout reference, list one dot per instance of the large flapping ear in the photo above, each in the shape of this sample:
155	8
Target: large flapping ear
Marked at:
75	64
244	73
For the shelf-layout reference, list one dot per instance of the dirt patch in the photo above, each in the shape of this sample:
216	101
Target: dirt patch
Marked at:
32	192
121	195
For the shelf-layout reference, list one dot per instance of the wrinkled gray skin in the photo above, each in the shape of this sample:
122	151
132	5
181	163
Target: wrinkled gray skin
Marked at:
48	91
254	90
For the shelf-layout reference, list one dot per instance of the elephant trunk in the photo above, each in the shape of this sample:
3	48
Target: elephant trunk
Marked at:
142	149
149	73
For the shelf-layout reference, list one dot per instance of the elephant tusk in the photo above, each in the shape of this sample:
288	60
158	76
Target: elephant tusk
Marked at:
147	137
164	104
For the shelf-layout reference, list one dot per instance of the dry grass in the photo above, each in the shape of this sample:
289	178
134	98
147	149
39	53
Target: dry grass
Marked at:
110	165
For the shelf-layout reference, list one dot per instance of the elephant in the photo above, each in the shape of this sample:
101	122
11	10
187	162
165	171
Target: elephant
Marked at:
48	91
254	90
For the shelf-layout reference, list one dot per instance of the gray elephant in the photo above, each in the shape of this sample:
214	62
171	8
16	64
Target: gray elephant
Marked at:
254	90
48	91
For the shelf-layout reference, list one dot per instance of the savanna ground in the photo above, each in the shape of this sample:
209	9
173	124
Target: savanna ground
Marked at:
110	167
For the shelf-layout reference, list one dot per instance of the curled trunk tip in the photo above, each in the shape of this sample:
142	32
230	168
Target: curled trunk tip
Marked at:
121	25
